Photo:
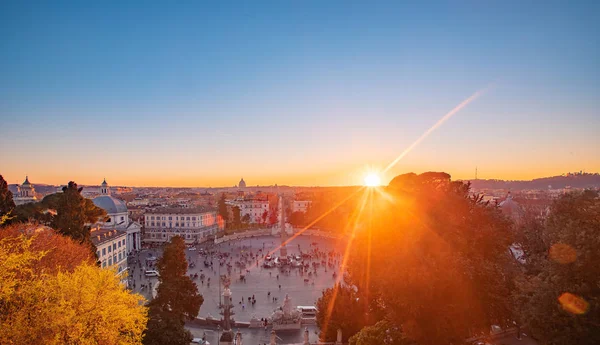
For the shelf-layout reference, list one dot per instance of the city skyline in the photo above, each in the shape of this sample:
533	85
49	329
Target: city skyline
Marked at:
307	94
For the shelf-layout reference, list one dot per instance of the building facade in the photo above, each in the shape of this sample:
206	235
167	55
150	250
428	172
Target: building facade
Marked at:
111	248
195	225
301	205
118	218
253	207
25	193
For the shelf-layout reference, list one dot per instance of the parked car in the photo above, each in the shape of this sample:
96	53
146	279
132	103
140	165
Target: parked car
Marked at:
151	273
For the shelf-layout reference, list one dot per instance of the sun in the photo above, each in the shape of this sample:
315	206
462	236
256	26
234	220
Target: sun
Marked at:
372	180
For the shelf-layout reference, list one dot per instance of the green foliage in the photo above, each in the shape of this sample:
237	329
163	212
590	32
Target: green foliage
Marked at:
165	329
7	204
562	256
71	219
381	333
177	298
348	313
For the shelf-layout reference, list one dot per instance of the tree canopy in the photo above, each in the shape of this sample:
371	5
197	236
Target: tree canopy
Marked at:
48	297
7	204
558	299
177	298
223	209
433	260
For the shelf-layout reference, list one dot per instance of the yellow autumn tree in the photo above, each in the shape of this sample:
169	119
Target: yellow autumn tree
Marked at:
80	305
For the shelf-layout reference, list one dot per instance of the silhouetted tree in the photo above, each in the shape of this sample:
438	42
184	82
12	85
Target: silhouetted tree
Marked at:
433	259
347	313
7	204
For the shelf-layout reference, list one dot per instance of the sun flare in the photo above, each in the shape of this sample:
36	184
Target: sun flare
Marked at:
372	180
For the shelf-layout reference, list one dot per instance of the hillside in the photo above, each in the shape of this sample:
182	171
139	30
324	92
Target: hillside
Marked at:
577	180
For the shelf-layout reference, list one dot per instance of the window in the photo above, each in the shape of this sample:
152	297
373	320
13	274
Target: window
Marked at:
119	244
114	246
119	256
122	218
170	218
98	253
103	251
109	248
103	263
152	223
187	218
115	258
152	217
109	261
163	224
193	218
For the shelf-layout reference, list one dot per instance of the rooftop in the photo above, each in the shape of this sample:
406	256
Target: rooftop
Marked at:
105	235
173	210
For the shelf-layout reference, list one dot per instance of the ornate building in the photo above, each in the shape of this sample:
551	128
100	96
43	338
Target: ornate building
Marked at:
118	217
25	193
242	183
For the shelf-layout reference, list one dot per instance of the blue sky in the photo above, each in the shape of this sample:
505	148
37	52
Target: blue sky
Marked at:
307	93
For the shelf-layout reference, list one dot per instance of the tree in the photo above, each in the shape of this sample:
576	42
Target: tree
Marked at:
558	298
7	204
347	313
45	210
382	333
223	208
435	260
237	220
297	219
57	252
73	213
177	298
273	217
264	217
78	303
246	218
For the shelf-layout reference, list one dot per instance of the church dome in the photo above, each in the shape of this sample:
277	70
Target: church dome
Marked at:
511	207
26	183
242	183
110	204
104	184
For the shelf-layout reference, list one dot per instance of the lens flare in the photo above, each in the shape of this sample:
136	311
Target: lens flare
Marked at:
573	304
372	180
563	253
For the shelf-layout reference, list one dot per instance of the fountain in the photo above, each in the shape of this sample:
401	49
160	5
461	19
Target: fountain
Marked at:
286	317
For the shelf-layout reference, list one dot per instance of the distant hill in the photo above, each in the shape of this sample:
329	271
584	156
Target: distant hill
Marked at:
573	180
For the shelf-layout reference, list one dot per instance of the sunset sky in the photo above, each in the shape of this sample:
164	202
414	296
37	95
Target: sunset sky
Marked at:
314	93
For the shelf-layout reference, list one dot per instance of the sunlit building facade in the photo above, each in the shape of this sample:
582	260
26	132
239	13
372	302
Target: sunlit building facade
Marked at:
195	225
